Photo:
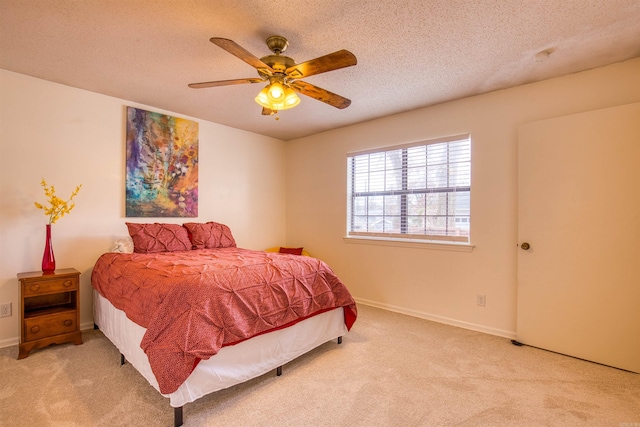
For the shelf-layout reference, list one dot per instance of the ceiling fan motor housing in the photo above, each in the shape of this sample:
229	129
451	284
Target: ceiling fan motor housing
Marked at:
279	63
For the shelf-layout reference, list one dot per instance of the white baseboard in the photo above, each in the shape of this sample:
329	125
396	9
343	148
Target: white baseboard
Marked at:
8	342
86	325
422	315
439	319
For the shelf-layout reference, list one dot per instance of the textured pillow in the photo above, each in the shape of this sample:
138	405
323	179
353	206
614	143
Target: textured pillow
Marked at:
211	235
150	238
294	251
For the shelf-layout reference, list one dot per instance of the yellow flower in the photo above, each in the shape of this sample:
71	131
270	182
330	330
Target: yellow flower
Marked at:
57	207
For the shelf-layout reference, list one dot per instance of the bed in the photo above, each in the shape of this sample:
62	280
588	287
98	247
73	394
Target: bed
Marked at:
194	314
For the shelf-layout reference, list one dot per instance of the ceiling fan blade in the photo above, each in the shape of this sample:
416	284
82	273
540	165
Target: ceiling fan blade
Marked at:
268	112
320	94
224	83
333	61
240	52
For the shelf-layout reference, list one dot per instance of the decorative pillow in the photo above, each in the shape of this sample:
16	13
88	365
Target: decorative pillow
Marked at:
211	235
124	245
149	238
294	251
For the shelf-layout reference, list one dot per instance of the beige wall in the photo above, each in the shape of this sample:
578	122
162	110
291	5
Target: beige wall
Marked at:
437	284
70	136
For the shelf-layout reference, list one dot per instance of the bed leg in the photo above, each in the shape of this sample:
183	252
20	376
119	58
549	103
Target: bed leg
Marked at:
123	359
177	417
279	370
339	340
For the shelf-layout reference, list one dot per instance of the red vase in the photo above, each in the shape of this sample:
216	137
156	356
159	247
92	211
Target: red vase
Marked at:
48	260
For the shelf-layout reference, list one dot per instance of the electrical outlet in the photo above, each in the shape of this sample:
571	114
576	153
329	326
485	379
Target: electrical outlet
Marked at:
5	310
481	300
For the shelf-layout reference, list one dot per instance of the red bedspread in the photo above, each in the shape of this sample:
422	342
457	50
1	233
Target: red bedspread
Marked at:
195	302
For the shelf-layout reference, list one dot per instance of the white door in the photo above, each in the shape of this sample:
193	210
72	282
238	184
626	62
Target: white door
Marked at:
579	210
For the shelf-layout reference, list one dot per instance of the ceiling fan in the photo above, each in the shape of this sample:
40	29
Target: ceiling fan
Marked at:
283	74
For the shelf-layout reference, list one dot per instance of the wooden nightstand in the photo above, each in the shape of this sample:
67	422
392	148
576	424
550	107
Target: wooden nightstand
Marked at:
49	309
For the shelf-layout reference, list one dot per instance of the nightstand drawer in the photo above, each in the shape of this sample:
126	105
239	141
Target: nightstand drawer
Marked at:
41	287
49	325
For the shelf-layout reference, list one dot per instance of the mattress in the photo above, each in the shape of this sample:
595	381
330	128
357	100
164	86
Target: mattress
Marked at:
232	364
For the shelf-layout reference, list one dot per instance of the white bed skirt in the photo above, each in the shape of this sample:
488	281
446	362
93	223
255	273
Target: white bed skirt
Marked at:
233	364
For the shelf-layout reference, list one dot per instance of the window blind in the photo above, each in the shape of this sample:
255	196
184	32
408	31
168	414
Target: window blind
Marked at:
416	191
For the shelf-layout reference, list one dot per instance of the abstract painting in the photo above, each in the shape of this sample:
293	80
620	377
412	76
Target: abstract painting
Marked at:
162	165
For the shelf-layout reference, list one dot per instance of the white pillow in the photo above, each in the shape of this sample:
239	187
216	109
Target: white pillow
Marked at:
124	245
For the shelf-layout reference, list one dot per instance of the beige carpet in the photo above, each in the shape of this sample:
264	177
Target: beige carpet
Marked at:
391	370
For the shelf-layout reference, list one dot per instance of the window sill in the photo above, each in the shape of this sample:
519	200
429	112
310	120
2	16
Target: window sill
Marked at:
410	243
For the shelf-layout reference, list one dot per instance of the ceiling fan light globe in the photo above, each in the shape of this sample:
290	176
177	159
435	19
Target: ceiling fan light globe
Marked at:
290	98
263	98
276	92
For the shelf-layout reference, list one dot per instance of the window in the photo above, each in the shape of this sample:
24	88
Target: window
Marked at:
415	191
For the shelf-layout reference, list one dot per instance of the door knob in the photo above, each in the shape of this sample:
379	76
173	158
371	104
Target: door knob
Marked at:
525	246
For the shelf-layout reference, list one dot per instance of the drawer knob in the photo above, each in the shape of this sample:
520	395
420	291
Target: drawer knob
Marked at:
35	288
68	322
67	283
35	329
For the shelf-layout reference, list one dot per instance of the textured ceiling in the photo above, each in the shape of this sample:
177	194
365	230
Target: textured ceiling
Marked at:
410	54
